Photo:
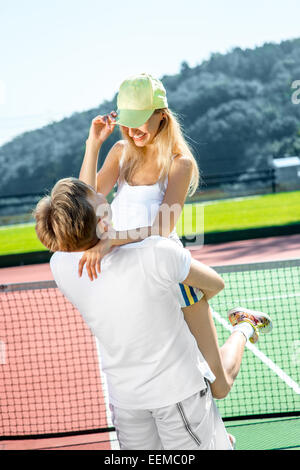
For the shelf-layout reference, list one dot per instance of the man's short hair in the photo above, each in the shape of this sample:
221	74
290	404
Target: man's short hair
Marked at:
66	220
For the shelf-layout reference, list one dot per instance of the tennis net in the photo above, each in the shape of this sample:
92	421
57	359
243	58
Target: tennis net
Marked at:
51	379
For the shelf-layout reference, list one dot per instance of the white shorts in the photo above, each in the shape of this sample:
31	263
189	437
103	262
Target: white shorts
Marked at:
193	424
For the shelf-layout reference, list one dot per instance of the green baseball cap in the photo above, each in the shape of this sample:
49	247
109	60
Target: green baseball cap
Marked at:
139	96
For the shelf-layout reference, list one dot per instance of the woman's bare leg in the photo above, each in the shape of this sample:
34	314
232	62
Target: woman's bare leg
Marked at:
224	362
232	354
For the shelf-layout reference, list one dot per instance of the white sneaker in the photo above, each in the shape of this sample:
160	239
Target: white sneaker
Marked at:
260	321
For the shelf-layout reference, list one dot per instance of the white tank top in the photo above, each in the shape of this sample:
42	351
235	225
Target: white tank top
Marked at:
137	206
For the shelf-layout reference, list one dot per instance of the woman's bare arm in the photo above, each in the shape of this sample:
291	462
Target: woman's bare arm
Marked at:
109	173
89	165
104	181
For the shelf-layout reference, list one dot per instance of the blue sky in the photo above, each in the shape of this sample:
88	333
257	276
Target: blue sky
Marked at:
62	56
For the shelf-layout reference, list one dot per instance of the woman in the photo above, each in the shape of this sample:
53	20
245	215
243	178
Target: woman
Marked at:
152	164
155	170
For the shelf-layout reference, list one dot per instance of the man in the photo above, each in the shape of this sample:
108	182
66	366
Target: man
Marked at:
158	380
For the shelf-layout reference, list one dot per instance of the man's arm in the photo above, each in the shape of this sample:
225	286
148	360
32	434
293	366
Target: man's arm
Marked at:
204	278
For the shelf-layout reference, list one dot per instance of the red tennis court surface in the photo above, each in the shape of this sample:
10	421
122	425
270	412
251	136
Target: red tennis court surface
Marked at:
51	380
247	251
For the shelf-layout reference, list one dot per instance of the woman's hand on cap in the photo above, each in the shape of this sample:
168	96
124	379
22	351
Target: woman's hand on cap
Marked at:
102	127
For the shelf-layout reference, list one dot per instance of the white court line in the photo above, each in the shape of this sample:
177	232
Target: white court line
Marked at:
114	443
277	370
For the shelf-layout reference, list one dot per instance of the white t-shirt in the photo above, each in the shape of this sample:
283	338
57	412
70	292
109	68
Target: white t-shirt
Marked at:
149	356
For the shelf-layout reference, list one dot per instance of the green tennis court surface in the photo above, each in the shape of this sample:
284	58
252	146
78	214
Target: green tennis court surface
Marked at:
268	382
53	385
266	434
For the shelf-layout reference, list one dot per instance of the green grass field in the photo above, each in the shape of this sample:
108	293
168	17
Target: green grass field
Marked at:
243	213
217	216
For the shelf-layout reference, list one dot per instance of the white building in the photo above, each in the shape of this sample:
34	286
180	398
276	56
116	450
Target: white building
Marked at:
287	173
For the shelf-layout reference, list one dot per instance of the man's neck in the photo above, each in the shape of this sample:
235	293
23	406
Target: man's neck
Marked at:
90	245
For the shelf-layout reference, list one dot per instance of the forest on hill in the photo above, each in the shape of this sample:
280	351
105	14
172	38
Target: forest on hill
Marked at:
236	111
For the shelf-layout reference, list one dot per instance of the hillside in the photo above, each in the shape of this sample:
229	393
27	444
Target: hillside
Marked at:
235	108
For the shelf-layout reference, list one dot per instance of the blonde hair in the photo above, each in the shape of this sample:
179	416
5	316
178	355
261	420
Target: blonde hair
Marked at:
169	141
66	220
